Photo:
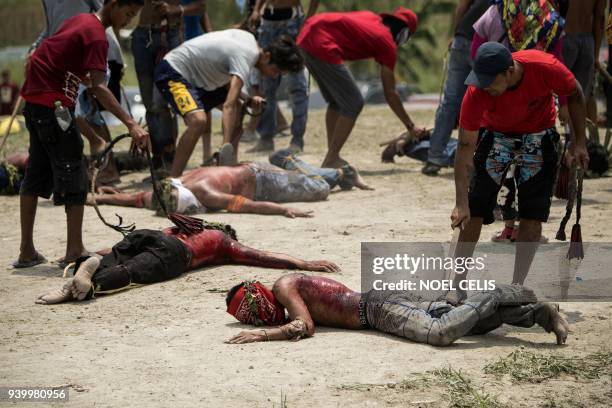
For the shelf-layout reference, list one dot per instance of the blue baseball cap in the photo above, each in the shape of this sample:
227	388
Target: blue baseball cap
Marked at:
492	58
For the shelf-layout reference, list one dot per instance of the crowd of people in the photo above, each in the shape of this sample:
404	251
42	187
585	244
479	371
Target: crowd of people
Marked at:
511	63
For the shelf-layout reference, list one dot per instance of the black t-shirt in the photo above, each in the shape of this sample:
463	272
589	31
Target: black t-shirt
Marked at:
465	25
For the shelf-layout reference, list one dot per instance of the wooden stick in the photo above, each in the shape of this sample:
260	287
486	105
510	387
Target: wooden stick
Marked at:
10	125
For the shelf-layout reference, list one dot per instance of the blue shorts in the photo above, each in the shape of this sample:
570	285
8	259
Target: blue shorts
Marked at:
182	95
87	108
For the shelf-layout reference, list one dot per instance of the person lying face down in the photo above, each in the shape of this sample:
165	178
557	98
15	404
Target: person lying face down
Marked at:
12	171
312	300
247	188
147	256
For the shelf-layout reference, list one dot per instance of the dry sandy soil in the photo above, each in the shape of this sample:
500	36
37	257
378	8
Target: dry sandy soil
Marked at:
163	345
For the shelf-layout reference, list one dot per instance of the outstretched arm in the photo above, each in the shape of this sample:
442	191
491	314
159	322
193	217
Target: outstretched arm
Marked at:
239	204
244	255
138	200
395	102
300	326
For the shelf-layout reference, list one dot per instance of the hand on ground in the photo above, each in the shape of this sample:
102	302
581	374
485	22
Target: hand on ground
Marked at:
321	266
248	336
295	213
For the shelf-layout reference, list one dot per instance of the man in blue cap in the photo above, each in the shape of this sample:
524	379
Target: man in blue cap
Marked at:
510	100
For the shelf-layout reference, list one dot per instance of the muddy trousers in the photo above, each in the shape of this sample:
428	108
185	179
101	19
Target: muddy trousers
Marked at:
440	324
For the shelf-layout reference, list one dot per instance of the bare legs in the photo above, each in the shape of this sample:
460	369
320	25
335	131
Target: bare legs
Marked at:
74	242
529	235
338	128
206	139
74	218
527	244
27	215
196	125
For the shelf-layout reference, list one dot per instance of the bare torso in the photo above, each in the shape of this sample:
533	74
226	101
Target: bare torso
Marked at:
329	303
580	16
149	16
237	180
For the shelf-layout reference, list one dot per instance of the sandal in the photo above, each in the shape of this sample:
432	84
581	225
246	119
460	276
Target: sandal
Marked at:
28	264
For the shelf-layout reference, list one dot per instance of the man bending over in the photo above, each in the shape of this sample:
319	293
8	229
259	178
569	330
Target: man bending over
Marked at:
312	300
212	70
147	256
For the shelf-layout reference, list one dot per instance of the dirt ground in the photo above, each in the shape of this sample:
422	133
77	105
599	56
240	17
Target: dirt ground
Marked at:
162	345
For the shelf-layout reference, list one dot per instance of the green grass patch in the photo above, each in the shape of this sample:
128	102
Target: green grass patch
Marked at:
461	392
527	366
459	389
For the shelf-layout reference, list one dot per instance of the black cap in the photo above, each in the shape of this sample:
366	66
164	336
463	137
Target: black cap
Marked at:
492	58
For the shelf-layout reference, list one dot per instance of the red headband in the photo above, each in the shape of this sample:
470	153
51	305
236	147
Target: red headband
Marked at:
255	304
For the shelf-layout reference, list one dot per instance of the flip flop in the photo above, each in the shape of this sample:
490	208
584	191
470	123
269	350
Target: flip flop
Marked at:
28	264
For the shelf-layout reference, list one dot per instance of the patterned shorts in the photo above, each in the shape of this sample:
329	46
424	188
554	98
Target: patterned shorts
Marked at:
535	158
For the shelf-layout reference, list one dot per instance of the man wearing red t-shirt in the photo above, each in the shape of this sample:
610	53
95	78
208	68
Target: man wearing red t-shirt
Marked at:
329	39
510	97
53	74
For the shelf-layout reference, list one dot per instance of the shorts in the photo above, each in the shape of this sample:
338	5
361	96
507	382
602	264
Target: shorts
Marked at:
56	163
88	108
535	157
182	95
337	86
578	56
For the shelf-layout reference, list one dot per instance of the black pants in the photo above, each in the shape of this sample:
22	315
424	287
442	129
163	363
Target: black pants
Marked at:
56	163
143	257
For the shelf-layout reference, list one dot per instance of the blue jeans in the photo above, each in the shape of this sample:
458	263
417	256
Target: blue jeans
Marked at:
459	67
145	47
298	85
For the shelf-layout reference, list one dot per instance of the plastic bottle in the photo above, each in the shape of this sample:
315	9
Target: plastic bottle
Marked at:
62	115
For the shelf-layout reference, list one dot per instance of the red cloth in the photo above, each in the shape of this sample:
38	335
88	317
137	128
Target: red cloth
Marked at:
530	107
8	97
255	304
63	60
357	35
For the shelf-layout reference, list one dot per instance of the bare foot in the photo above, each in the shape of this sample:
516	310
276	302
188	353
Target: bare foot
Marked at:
560	325
56	296
81	284
360	182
